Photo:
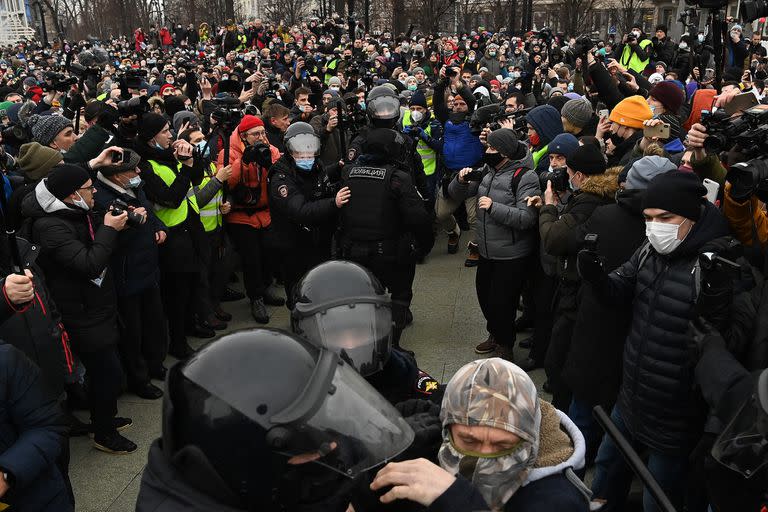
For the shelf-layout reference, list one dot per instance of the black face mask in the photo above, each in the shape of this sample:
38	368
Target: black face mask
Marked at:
457	117
492	159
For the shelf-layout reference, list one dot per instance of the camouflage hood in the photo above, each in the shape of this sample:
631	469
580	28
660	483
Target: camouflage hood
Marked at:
493	393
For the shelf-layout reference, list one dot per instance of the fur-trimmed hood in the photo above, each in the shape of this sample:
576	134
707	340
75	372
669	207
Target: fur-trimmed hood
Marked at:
603	185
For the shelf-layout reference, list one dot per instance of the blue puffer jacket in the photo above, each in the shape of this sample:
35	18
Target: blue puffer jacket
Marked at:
460	148
32	431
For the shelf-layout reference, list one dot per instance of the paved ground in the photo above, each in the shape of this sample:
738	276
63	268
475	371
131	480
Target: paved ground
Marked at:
447	325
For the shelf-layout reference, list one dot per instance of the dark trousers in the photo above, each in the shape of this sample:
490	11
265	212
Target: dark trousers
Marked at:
295	263
398	280
543	290
498	284
250	245
178	290
105	378
215	275
143	341
560	343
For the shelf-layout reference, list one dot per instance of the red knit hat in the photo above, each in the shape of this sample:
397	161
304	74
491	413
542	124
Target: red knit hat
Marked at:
166	86
248	122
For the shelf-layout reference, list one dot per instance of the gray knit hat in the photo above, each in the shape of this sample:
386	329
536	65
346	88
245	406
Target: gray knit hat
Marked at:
577	112
46	128
505	142
645	169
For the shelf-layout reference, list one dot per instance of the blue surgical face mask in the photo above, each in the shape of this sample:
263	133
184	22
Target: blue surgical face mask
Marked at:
134	182
305	164
653	109
158	146
205	148
362	105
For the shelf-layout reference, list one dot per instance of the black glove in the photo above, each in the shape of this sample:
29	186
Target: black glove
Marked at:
417	406
705	336
424	418
589	265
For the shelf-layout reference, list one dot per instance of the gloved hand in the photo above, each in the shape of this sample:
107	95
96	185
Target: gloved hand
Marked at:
424	418
704	335
589	265
407	129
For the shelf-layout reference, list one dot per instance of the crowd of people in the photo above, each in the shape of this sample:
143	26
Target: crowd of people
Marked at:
609	193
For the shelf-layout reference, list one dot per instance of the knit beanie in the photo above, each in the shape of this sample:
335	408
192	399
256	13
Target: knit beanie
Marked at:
36	160
151	124
46	128
418	99
631	112
418	70
677	192
645	169
173	104
505	142
558	101
564	144
165	87
669	95
587	159
249	121
334	80
65	179
577	112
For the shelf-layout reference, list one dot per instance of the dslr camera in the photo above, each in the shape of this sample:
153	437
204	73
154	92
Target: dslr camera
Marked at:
559	178
137	106
59	82
118	207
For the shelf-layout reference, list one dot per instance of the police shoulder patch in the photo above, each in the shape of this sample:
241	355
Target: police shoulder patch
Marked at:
351	154
375	173
282	190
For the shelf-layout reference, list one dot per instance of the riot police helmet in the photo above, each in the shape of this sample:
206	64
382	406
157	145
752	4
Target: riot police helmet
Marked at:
383	106
340	305
260	416
301	140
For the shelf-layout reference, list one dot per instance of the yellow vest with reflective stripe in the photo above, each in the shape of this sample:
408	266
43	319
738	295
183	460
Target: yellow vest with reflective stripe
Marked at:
633	62
210	214
173	216
427	154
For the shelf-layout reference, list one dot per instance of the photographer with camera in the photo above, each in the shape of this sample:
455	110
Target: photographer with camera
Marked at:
507	240
634	52
250	157
169	170
419	123
591	188
461	149
136	271
75	253
328	126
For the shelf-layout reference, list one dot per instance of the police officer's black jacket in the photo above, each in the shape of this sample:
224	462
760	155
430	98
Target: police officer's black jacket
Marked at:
183	250
657	399
384	205
302	205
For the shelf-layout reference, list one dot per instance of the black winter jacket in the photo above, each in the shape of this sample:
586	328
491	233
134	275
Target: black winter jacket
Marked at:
657	398
32	430
134	262
76	249
302	206
593	367
184	248
36	328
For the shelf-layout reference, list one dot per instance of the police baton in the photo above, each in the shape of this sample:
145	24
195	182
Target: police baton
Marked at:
633	460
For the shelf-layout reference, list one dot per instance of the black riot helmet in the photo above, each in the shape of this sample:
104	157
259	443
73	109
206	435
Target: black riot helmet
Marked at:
261	419
383	107
340	305
743	444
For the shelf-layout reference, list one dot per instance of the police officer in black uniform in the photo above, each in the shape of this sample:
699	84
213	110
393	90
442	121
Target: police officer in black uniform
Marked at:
290	427
385	226
303	203
340	305
383	111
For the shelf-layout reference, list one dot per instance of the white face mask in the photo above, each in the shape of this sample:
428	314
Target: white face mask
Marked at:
683	45
701	38
417	116
636	33
663	237
80	203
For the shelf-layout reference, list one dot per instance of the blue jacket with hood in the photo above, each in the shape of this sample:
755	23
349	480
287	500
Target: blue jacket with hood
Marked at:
545	119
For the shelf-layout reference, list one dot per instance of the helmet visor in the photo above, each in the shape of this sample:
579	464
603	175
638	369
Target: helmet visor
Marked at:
384	107
304	145
743	445
359	333
355	429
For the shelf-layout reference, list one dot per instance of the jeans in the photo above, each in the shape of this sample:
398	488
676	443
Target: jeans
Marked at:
613	477
580	413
